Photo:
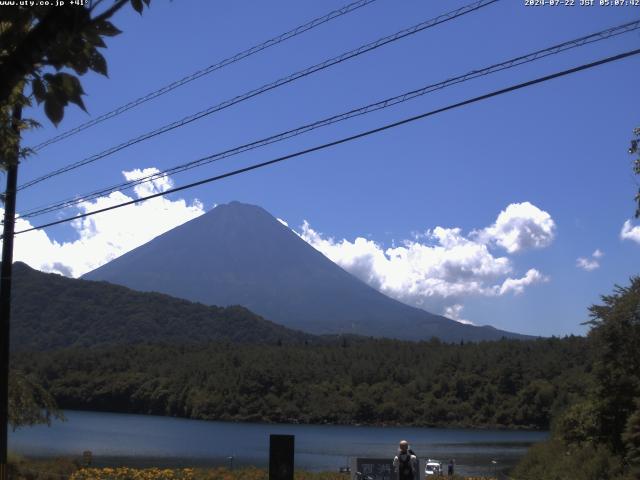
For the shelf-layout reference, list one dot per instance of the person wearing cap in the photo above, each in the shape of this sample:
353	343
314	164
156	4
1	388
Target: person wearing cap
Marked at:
405	463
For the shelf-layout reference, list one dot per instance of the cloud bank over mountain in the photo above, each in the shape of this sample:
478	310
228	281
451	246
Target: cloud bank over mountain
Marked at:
442	266
435	269
106	236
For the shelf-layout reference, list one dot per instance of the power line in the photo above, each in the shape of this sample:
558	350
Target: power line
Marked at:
346	139
207	70
267	87
517	61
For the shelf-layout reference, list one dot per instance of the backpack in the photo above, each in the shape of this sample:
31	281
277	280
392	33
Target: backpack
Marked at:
405	469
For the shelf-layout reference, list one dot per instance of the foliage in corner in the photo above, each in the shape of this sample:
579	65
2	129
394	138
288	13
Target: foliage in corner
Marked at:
29	402
634	149
599	437
43	51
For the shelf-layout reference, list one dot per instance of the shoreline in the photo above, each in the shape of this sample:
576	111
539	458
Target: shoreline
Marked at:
447	426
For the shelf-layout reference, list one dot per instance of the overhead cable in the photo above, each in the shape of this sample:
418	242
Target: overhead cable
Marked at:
267	87
207	70
345	139
386	103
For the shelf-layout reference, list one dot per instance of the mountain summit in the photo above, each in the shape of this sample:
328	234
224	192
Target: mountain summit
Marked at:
239	254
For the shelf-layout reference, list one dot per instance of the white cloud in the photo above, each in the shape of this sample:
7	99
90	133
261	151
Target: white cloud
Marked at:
442	265
587	264
519	227
516	285
453	266
454	313
107	235
282	222
630	233
590	264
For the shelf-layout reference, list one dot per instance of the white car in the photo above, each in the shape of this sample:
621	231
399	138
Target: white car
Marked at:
433	467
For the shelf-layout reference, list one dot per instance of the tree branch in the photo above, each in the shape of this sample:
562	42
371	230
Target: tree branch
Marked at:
24	60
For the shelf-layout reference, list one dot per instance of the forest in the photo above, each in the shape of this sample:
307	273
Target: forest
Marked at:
510	383
598	435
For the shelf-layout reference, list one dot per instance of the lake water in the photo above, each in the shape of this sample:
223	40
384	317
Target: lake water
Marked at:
146	440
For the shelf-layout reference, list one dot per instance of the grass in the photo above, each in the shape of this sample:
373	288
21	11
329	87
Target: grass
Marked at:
21	468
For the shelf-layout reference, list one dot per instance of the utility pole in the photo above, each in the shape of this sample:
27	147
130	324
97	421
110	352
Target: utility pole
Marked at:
5	289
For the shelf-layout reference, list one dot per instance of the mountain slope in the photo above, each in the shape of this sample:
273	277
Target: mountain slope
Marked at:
51	311
240	254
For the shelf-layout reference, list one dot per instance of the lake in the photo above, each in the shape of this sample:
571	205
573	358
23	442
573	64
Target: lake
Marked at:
145	440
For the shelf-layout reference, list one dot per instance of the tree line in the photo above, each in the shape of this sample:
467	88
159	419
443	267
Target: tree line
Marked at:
508	383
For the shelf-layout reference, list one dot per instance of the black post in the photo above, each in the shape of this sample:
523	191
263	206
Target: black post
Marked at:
281	453
5	292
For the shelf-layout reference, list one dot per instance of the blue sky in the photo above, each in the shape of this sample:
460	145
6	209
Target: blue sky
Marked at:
414	211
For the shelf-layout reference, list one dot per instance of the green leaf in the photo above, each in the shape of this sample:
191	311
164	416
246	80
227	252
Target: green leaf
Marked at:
72	89
54	109
97	63
94	38
137	5
80	63
30	124
106	29
50	78
39	90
